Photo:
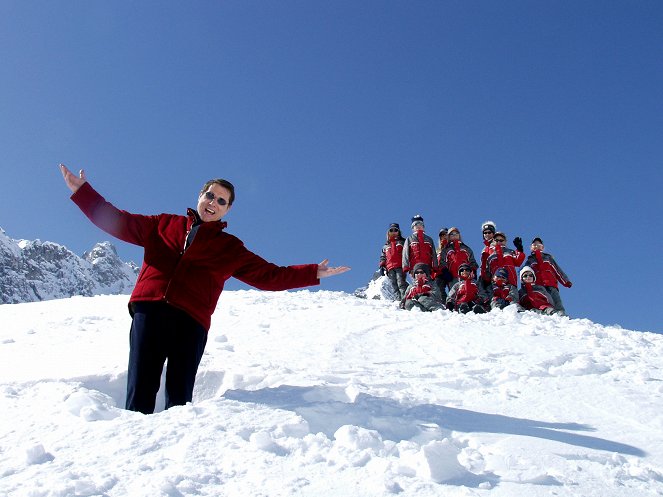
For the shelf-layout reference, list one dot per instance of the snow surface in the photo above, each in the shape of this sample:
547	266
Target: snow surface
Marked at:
325	394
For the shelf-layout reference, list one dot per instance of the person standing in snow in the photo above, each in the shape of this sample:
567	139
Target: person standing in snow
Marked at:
391	260
443	277
488	230
187	260
419	247
501	256
422	293
548	273
455	254
534	297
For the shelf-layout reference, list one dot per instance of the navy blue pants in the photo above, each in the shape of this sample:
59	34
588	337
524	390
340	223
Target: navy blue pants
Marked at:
160	332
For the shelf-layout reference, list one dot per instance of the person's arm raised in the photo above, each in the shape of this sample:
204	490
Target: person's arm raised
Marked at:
73	182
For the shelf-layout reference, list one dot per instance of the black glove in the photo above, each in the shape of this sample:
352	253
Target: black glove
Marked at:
518	243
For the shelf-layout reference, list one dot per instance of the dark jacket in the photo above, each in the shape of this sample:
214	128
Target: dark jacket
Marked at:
190	280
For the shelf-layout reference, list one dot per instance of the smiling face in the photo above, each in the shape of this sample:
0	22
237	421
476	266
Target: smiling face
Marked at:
210	209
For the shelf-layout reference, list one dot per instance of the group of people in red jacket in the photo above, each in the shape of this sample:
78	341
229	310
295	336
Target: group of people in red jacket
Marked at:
449	276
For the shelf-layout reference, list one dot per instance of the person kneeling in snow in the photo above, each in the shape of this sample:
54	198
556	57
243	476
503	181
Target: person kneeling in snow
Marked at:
422	293
534	297
503	293
465	295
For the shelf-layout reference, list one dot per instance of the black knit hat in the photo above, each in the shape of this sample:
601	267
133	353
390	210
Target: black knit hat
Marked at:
395	225
537	239
416	220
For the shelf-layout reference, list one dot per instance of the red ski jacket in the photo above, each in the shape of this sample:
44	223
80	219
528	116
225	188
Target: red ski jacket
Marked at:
191	279
392	254
534	297
419	247
454	254
508	259
416	289
547	271
466	290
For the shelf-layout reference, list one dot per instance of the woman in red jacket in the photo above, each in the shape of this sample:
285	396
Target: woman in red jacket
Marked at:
391	260
187	260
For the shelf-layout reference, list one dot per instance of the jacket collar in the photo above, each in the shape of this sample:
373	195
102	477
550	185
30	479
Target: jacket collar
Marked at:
194	219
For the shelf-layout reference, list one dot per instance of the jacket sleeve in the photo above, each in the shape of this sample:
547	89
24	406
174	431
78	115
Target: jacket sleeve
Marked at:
257	272
482	295
452	293
406	255
561	275
513	294
131	228
434	255
383	257
473	261
518	257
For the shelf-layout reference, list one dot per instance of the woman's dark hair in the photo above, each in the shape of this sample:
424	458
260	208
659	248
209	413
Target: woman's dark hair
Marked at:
221	182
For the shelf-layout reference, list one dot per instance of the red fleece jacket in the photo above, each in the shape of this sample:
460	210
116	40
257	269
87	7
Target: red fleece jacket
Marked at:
190	280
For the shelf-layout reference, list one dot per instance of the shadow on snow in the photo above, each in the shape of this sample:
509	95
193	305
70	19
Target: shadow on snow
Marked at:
326	409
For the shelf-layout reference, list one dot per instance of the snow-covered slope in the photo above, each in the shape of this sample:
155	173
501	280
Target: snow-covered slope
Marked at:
325	394
36	270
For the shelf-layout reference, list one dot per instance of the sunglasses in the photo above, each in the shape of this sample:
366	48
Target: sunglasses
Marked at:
487	232
528	275
210	196
465	270
499	239
394	230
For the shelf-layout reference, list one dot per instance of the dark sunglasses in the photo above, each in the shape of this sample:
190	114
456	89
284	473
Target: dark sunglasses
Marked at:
528	275
465	270
499	239
419	271
487	232
393	230
210	196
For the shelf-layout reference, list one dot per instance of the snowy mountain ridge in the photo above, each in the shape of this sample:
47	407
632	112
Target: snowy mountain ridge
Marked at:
34	270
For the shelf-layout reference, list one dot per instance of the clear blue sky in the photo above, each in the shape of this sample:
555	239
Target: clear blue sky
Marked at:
334	119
